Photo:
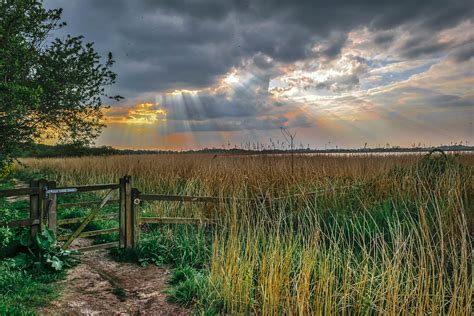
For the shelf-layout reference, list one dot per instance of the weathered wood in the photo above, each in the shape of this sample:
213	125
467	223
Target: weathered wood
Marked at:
87	203
34	208
122	203
106	198
89	188
42	202
129	216
19	191
195	199
87	220
90	233
81	227
21	223
75	220
135	210
175	220
100	246
52	208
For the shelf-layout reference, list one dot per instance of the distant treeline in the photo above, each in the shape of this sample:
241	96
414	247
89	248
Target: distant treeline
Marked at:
74	150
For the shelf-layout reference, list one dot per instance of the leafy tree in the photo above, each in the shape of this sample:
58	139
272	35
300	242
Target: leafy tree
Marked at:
48	88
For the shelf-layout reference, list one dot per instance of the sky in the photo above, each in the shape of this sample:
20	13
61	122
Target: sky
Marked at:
215	73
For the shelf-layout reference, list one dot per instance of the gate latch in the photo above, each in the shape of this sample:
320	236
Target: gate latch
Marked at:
59	191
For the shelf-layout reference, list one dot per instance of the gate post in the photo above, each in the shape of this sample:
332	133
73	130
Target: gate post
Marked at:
126	218
135	213
34	209
52	205
42	185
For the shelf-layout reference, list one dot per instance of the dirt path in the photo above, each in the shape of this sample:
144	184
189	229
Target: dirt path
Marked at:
17	184
101	286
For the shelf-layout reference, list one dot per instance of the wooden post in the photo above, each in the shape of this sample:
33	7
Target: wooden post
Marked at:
122	212
126	213
34	208
135	213
42	184
52	207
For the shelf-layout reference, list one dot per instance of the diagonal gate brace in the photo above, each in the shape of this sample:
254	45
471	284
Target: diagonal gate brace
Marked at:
88	219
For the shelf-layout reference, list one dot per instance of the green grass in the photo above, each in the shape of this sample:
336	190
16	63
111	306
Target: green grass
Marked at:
21	292
179	246
378	240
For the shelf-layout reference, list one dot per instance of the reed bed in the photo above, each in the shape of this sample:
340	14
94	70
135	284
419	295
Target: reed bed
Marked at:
340	235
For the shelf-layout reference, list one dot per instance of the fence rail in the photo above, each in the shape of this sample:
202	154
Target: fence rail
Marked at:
43	209
86	203
174	220
21	222
91	233
83	188
180	198
18	192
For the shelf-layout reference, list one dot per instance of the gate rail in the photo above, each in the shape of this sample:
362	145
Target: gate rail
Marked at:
44	208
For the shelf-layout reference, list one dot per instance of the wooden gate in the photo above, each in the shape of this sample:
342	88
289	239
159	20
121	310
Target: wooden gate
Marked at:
44	208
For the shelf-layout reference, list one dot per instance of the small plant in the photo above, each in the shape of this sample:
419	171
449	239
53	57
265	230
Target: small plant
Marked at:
43	252
188	285
6	171
120	293
181	275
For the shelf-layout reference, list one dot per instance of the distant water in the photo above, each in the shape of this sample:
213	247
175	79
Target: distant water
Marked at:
397	153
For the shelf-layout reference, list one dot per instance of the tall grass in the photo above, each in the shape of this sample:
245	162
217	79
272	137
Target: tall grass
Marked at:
383	235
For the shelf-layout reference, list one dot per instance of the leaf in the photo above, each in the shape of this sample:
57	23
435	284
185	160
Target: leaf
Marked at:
49	235
55	263
25	239
42	242
23	260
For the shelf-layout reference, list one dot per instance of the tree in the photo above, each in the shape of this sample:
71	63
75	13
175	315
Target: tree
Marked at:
48	88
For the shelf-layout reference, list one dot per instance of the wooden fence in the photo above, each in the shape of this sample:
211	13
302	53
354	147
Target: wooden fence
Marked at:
44	210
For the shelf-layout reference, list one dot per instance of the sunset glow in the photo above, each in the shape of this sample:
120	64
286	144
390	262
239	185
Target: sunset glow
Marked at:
243	74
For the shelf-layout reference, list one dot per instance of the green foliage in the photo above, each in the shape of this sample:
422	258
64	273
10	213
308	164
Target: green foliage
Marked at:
43	252
175	245
49	88
9	212
21	292
188	284
179	245
6	236
6	170
182	274
192	287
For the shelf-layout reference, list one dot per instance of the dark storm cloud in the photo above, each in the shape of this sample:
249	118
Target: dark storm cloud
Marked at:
417	46
250	123
384	38
162	45
446	100
230	125
465	52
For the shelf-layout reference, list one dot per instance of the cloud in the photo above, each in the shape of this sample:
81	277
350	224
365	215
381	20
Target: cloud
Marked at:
142	113
162	45
464	53
354	59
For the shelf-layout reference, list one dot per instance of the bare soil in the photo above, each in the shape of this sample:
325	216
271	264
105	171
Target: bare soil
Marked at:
102	286
17	184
